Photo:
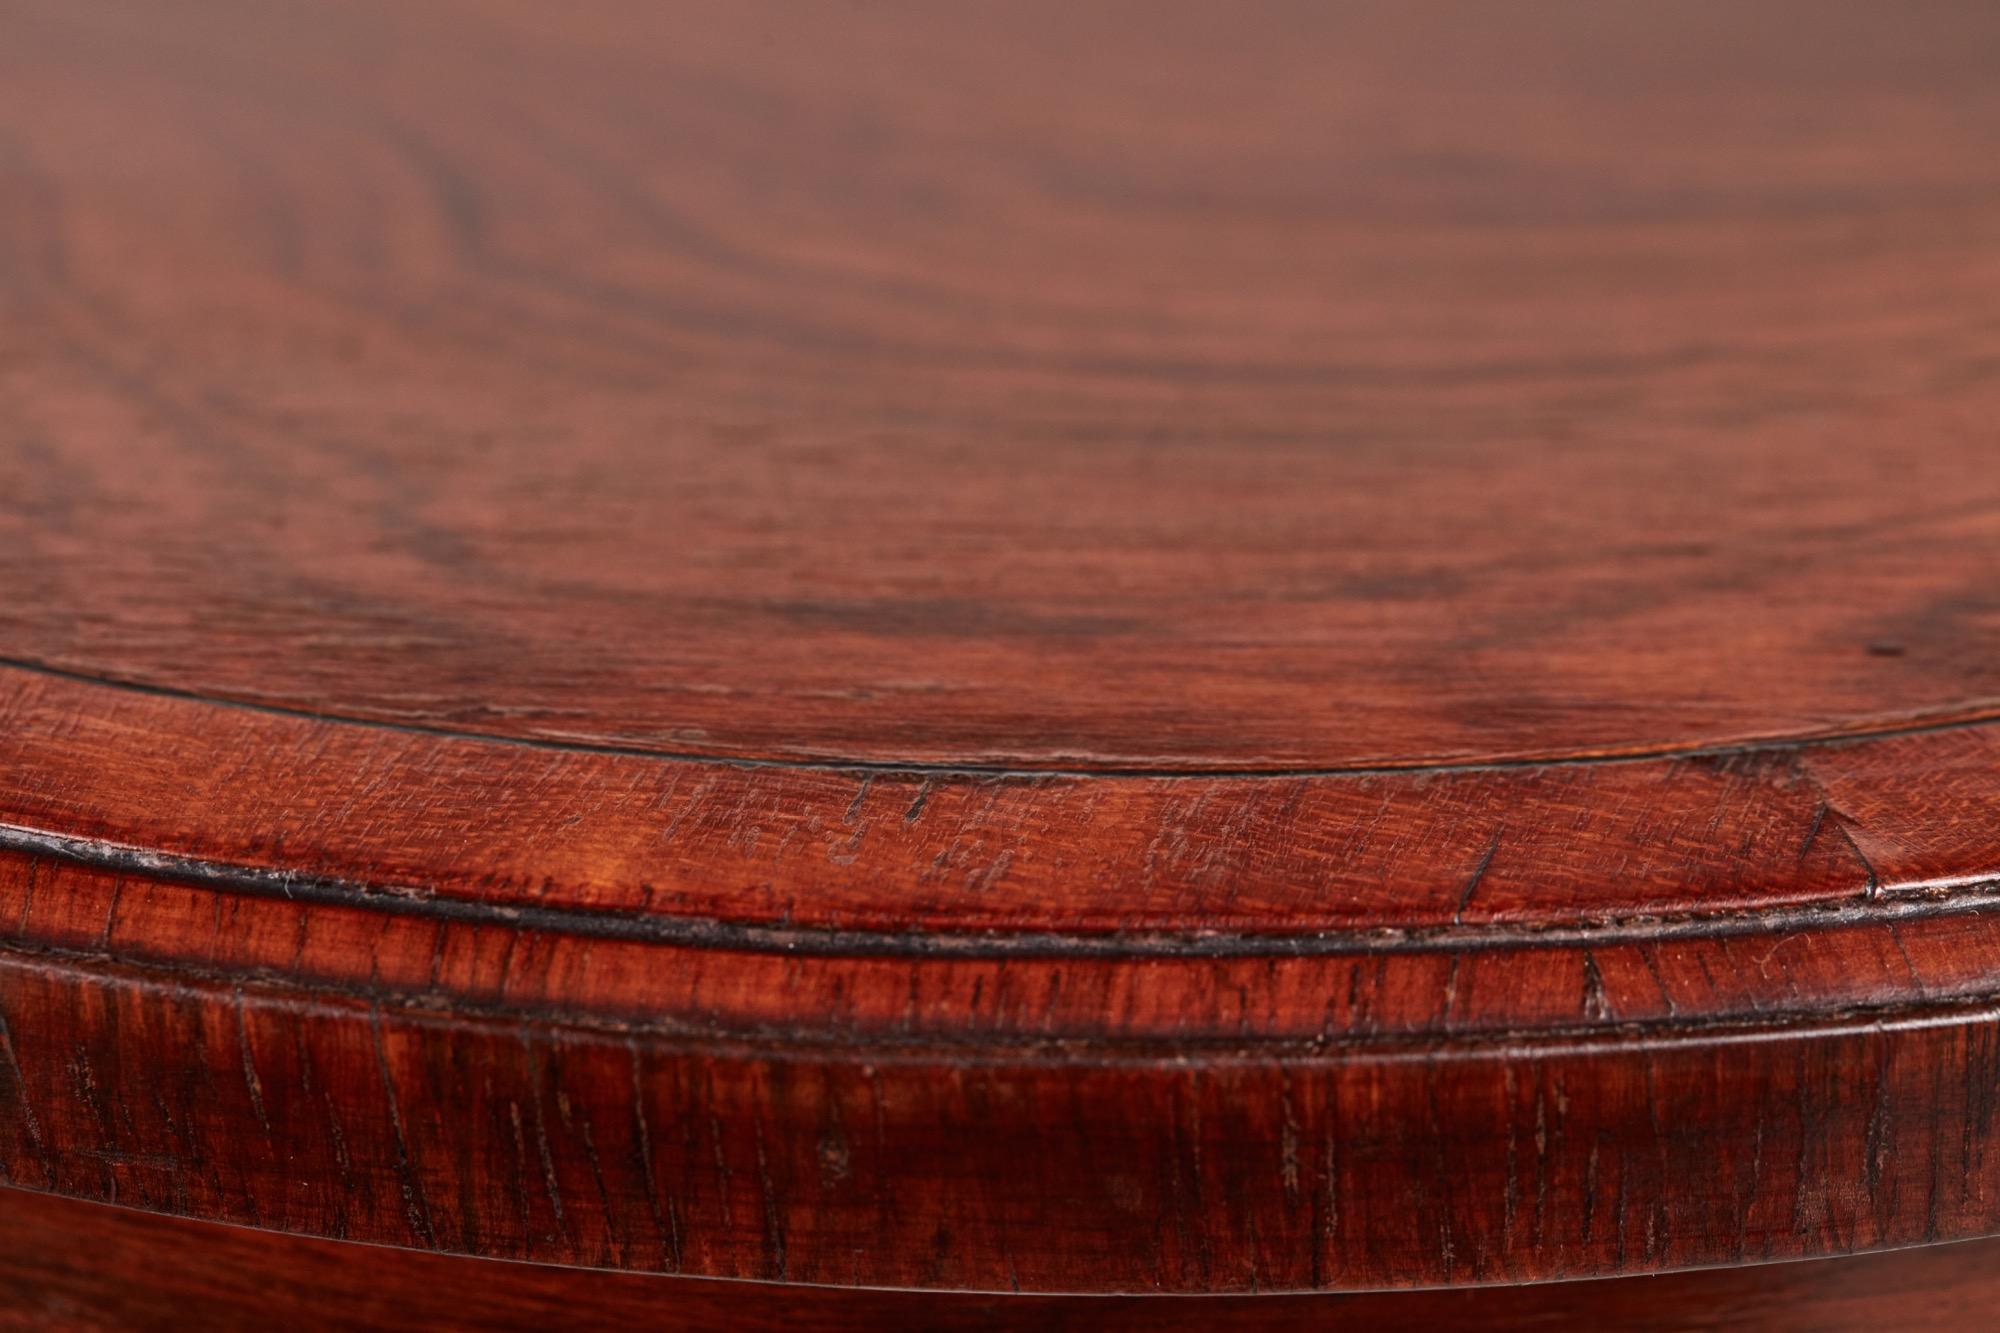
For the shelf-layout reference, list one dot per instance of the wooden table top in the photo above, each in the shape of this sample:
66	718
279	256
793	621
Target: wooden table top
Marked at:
1039	647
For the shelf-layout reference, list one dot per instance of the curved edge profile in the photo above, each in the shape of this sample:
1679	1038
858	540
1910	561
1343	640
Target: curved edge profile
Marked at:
1039	1125
800	859
75	1261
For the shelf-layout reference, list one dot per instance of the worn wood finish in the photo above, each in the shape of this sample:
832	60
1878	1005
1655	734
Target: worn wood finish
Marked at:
1071	649
55	1255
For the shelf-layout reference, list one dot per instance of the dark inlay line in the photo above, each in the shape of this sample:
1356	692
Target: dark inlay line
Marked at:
712	933
349	1000
1979	716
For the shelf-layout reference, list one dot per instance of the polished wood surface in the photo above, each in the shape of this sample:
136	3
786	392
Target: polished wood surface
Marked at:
1032	648
85	1266
1308	388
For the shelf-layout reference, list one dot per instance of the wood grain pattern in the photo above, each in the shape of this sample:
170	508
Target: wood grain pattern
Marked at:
860	1120
1310	390
1035	649
55	1254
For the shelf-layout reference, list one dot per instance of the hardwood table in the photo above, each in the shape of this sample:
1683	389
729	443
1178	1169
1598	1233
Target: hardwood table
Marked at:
1015	652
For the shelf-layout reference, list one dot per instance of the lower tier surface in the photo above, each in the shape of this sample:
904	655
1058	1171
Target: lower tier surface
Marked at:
71	1265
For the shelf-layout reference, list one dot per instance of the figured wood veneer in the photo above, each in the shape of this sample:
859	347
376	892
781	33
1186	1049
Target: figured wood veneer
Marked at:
1030	648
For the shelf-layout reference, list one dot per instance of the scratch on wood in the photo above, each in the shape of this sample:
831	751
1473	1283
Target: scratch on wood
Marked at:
1472	885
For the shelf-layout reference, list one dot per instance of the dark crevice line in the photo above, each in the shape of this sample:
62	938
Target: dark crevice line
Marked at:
1980	716
832	941
372	1004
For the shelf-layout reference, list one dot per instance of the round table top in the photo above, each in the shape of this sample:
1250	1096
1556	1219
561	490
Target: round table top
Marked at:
1220	541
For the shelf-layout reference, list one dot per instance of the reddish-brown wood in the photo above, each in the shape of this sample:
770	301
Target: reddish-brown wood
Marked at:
1020	649
86	1266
